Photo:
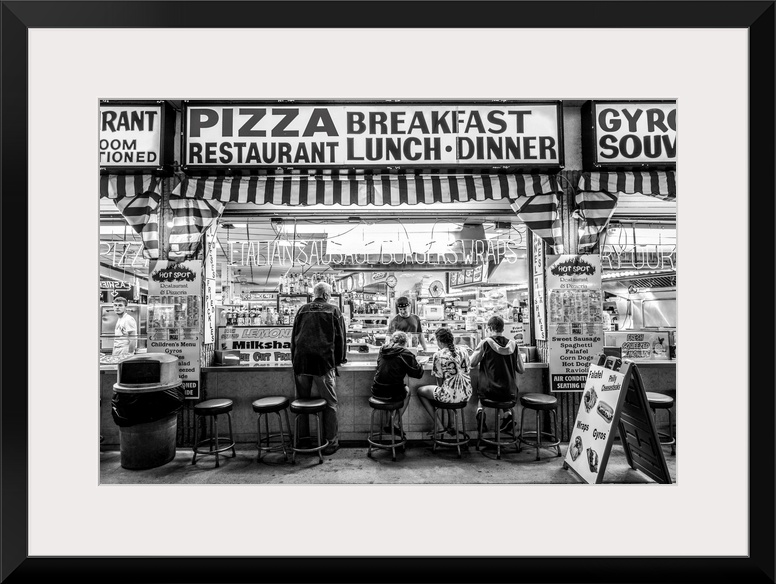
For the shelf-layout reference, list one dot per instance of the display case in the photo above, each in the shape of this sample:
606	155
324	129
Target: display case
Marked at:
288	304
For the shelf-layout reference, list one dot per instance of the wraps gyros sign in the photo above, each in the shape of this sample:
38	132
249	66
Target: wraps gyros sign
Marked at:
260	134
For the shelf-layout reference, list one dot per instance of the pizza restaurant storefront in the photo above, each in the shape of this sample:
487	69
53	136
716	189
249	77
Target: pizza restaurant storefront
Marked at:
456	206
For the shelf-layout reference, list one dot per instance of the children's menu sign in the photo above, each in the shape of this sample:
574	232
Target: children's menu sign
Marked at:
174	317
575	320
614	400
259	346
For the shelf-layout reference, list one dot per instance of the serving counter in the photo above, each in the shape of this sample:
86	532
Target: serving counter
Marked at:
244	384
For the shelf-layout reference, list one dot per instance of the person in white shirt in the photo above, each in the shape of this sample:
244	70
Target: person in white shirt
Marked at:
125	340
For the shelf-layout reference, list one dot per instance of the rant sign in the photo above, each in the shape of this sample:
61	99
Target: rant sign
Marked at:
130	136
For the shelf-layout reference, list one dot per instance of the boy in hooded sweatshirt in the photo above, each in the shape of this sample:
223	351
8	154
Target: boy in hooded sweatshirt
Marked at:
499	362
394	362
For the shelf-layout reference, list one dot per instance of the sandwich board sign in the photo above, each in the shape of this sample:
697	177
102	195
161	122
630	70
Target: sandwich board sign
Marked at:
614	400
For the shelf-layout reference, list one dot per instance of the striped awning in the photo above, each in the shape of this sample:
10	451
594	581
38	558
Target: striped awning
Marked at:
532	196
137	198
597	194
190	219
362	190
654	183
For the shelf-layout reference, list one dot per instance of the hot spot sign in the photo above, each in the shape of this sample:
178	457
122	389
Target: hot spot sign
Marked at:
245	135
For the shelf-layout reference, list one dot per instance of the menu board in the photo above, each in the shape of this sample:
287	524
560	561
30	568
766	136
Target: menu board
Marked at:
575	321
174	314
259	346
594	428
468	276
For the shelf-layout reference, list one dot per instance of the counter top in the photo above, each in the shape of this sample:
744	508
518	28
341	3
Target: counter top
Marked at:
355	366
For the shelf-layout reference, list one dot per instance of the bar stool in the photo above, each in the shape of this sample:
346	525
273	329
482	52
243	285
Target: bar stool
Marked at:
211	409
539	402
661	401
376	438
264	407
497	407
305	407
455	408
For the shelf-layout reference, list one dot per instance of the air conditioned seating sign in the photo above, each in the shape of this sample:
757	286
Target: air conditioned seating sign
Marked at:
575	320
266	134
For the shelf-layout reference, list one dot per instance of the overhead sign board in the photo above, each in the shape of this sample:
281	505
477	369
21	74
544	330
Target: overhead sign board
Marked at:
629	134
245	135
135	136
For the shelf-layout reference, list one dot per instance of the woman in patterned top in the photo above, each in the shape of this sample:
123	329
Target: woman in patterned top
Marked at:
450	365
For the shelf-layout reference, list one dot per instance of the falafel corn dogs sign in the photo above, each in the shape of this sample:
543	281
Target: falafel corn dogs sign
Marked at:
596	424
575	321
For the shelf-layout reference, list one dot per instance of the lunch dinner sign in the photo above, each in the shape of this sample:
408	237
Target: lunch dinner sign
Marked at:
281	134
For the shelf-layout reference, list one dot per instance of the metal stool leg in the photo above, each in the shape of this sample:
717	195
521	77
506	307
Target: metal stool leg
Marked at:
282	437
296	435
522	430
393	439
288	425
498	433
318	424
555	431
371	433
401	429
231	434
671	431
479	428
433	434
457	439
538	433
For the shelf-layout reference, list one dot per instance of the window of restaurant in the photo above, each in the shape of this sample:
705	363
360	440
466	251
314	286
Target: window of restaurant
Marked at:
456	270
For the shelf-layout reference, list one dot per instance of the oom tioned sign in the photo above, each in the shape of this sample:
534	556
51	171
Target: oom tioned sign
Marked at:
252	135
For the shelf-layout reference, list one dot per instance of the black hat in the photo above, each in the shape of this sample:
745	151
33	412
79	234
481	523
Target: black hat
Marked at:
402	301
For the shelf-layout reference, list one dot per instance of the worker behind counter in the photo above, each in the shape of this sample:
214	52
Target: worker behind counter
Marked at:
406	322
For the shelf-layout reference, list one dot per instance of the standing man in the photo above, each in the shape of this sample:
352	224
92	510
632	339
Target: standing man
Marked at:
126	330
317	347
406	322
500	364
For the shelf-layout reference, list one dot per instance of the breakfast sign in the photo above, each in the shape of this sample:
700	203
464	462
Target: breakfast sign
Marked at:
614	400
261	134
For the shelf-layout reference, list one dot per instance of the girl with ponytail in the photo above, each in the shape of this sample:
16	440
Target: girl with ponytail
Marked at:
451	366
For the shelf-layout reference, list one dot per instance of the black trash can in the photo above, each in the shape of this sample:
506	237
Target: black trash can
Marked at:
145	405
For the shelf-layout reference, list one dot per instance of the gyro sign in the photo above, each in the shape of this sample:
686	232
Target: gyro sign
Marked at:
629	134
249	135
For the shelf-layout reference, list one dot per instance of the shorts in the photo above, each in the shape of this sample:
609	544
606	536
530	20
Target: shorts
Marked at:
390	394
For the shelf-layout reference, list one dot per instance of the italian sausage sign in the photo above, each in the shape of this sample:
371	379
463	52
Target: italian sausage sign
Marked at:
596	424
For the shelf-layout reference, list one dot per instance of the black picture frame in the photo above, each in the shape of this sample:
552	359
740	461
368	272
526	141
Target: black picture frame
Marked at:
20	16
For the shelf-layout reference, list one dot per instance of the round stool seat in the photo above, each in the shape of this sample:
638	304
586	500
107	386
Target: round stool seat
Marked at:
267	405
538	401
659	400
213	407
499	405
449	406
381	404
308	406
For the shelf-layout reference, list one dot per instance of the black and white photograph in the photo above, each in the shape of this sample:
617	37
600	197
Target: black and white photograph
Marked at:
313	291
387	291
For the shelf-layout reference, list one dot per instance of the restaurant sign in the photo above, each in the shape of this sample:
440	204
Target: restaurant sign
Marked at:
629	134
259	134
134	135
575	319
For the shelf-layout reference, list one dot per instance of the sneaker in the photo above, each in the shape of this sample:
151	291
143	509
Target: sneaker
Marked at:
331	449
481	414
507	424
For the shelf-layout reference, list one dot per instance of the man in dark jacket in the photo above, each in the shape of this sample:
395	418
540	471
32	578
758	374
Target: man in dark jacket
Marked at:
394	362
499	362
317	348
